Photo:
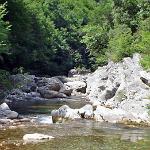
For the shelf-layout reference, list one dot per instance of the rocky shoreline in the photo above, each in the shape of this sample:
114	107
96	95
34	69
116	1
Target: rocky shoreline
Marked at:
117	93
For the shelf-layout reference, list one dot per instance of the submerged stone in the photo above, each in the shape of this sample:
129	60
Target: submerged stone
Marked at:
36	137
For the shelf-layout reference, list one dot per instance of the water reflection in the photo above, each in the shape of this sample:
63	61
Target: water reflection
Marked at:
132	137
79	135
75	135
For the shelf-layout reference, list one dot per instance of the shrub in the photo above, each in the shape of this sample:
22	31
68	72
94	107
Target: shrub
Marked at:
4	79
120	41
4	30
145	62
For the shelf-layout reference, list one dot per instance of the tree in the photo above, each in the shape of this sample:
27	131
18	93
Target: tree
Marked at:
142	43
4	30
53	36
96	40
120	41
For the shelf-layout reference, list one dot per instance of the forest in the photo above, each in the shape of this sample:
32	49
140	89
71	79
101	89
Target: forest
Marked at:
74	74
49	37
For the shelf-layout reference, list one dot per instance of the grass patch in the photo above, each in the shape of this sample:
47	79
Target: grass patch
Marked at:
145	62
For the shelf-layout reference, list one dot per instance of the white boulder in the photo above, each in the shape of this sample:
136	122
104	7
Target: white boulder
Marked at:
123	85
77	86
36	137
86	111
64	113
5	112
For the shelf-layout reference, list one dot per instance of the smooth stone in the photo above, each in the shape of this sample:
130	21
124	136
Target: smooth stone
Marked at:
5	112
64	113
36	137
86	111
78	86
45	93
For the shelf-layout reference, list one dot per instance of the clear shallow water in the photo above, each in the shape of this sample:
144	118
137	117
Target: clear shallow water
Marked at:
79	135
76	135
48	106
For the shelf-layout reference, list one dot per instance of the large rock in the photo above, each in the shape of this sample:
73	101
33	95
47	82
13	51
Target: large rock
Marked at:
19	99
115	115
64	113
52	88
78	86
46	93
67	113
5	112
124	85
36	137
66	90
53	84
86	112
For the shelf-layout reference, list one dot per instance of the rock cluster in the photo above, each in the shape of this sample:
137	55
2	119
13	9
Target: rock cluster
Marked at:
118	92
101	114
124	87
32	90
65	113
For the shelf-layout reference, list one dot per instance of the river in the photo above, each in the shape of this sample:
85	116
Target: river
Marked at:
74	135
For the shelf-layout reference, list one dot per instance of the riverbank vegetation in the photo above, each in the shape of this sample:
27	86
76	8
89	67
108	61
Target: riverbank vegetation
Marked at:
50	37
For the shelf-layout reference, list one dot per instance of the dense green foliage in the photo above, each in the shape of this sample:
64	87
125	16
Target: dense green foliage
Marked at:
121	29
5	84
4	79
4	31
51	37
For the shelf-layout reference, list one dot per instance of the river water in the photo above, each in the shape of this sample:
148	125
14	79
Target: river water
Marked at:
75	135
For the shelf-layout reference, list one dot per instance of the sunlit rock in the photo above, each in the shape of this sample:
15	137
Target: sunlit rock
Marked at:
64	113
5	112
123	85
86	111
36	137
78	86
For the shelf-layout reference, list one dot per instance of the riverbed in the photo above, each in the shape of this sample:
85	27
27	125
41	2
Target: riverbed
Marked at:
74	135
